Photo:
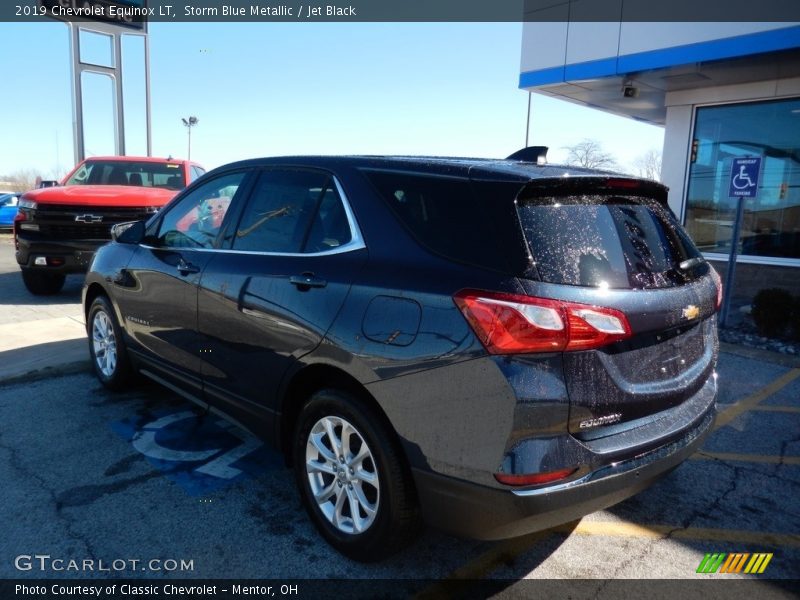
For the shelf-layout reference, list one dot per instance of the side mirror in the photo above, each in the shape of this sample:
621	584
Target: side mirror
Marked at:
128	233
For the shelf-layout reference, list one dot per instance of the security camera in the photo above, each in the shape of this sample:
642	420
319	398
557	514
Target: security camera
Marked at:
630	91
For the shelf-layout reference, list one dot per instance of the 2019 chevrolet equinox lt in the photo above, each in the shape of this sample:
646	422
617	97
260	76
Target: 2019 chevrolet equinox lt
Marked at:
490	346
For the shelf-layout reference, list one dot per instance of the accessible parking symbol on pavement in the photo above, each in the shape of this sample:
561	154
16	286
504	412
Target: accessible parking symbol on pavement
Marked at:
199	452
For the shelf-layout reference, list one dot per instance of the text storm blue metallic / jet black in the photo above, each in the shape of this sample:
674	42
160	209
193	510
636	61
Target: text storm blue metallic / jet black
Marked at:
491	346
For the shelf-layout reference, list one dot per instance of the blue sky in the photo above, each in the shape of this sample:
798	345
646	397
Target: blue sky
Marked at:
266	89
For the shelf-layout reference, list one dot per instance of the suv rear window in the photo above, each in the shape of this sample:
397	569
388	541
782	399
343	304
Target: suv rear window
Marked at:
608	241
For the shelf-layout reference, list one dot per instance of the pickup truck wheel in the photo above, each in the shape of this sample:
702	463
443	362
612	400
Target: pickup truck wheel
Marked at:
106	346
353	478
41	283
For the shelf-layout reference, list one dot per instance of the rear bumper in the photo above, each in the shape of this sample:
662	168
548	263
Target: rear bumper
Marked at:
70	256
477	511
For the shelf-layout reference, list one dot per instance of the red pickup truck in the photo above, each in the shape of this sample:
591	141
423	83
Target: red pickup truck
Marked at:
58	229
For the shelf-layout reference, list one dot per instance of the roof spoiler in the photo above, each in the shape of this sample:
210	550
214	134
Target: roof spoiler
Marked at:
535	154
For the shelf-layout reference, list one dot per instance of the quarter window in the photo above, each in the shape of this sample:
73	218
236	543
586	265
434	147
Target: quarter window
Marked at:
453	218
195	221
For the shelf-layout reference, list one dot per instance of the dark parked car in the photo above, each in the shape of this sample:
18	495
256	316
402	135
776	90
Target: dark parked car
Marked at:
492	346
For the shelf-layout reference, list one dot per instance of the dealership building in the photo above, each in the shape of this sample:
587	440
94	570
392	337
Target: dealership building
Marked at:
728	97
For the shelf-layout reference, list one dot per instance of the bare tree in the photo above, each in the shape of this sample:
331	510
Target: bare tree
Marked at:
23	180
648	165
590	154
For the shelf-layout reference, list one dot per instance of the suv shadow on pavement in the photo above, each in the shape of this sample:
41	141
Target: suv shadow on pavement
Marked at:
43	360
15	294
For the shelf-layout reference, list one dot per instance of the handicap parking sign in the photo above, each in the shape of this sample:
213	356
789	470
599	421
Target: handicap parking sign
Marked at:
744	177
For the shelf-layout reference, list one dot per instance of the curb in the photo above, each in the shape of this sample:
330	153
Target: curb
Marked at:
71	368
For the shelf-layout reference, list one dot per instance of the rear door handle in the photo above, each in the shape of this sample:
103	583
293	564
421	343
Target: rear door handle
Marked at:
187	268
306	281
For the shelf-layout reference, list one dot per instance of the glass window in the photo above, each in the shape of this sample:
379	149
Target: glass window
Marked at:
196	172
769	132
291	212
195	220
607	241
450	217
166	175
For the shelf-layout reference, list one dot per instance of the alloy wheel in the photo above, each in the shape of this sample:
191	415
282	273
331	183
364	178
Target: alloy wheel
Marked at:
342	475
104	343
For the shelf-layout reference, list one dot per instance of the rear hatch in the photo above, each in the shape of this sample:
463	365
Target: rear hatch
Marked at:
613	243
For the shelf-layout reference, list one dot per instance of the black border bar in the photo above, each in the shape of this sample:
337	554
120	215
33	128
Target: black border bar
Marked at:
232	11
224	589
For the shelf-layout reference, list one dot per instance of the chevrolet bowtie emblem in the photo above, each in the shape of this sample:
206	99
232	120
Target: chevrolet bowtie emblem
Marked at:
691	312
89	218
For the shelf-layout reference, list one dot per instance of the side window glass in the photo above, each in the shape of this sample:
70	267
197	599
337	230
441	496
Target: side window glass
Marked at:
196	172
329	227
281	208
81	174
195	221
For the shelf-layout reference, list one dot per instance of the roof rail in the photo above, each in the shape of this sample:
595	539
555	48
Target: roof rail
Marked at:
536	154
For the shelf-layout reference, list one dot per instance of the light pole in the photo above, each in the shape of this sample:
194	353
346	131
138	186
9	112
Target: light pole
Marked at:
189	123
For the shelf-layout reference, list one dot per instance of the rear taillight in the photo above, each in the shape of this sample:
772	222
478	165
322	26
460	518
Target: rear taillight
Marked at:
513	324
718	283
534	478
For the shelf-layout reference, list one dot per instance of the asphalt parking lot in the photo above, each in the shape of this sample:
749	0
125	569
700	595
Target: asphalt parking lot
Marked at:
142	475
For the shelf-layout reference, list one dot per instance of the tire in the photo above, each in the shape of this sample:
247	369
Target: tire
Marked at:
372	478
40	283
107	346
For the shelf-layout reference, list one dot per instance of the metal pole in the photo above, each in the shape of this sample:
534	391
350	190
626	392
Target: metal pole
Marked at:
147	93
528	121
190	143
119	102
77	92
731	272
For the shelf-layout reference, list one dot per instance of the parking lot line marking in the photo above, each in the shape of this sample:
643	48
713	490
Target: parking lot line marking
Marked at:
769	459
782	409
626	529
729	414
504	551
620	529
487	562
490	560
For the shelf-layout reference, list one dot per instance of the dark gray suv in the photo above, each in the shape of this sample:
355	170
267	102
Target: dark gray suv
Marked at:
491	346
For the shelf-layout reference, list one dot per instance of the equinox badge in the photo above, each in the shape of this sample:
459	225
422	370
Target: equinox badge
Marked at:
606	420
691	312
88	218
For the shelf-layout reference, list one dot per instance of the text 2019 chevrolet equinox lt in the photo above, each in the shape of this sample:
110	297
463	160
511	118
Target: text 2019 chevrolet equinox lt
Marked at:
491	346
